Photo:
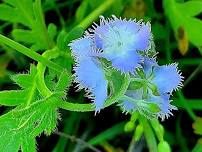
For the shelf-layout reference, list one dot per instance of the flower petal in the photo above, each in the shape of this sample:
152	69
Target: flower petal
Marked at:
128	106
143	37
128	62
148	64
167	78
100	94
120	40
82	48
90	75
164	104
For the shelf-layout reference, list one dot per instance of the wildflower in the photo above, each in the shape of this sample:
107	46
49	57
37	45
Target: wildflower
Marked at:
156	84
120	41
88	71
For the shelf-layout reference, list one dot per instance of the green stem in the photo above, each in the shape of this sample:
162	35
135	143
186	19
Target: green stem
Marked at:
158	129
184	102
90	107
29	53
43	89
149	135
194	104
167	44
93	16
193	74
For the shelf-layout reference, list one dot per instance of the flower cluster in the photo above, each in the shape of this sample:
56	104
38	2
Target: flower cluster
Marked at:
126	45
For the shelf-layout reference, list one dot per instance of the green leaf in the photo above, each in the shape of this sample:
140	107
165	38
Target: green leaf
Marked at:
74	34
190	8
19	97
28	14
179	19
52	30
63	82
82	10
62	46
25	80
198	146
13	97
29	145
21	125
135	85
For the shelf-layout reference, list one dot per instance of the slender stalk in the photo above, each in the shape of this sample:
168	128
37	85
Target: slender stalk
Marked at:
41	69
93	16
193	74
194	104
184	102
29	53
149	134
90	107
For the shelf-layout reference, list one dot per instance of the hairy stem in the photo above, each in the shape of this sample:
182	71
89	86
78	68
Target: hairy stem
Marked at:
29	53
41	69
90	107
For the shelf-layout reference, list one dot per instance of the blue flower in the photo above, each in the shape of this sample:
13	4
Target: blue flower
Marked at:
167	77
88	71
120	41
127	45
160	81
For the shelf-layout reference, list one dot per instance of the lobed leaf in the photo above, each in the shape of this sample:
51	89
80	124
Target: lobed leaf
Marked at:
20	126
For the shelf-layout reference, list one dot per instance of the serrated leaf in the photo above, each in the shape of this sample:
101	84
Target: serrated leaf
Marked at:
25	80
18	127
20	97
6	14
28	145
28	14
63	82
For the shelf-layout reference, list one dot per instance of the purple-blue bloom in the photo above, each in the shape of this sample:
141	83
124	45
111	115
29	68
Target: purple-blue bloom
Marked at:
165	78
120	40
126	45
88	71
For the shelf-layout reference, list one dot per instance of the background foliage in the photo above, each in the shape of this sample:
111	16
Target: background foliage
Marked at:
35	80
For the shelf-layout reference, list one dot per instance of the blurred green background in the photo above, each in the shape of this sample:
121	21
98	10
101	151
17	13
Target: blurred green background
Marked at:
177	32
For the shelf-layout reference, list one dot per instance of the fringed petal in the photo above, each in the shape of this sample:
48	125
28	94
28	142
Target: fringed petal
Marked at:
90	75
100	94
128	106
164	104
128	62
143	37
120	40
167	78
82	48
